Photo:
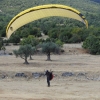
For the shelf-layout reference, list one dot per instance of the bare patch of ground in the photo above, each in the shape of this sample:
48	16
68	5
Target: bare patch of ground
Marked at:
82	84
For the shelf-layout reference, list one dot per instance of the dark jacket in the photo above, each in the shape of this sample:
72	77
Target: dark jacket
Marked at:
47	73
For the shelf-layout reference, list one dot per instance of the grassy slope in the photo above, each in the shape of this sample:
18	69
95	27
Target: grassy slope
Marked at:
12	7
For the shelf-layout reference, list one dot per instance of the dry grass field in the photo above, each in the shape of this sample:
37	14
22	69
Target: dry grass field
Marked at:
81	83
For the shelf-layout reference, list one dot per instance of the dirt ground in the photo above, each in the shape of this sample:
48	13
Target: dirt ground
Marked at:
82	84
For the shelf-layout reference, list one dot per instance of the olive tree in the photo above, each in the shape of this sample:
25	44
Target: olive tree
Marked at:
32	41
24	52
48	48
3	48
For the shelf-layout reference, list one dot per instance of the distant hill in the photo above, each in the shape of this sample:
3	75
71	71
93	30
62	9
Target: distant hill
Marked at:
9	8
12	7
98	1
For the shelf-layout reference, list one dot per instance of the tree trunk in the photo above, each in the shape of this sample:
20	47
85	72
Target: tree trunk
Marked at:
26	62
48	57
31	57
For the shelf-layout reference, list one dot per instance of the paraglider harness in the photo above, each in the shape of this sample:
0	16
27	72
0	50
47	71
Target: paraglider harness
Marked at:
51	76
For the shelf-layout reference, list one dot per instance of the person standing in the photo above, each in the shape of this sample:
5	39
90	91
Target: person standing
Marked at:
49	77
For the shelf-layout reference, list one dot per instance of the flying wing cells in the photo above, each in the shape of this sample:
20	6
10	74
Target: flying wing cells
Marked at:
43	11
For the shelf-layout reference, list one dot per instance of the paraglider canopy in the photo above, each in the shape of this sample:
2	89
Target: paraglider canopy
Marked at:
43	11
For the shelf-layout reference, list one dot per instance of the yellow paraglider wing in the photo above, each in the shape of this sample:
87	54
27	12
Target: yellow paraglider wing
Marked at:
43	11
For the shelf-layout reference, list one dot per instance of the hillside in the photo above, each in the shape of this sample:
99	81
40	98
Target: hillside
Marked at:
98	1
9	8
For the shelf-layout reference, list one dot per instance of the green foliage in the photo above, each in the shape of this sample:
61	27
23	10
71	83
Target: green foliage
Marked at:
75	39
24	33
59	42
92	44
30	40
24	52
0	45
84	33
59	29
14	38
96	1
9	8
50	47
35	32
65	36
27	40
3	48
53	33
